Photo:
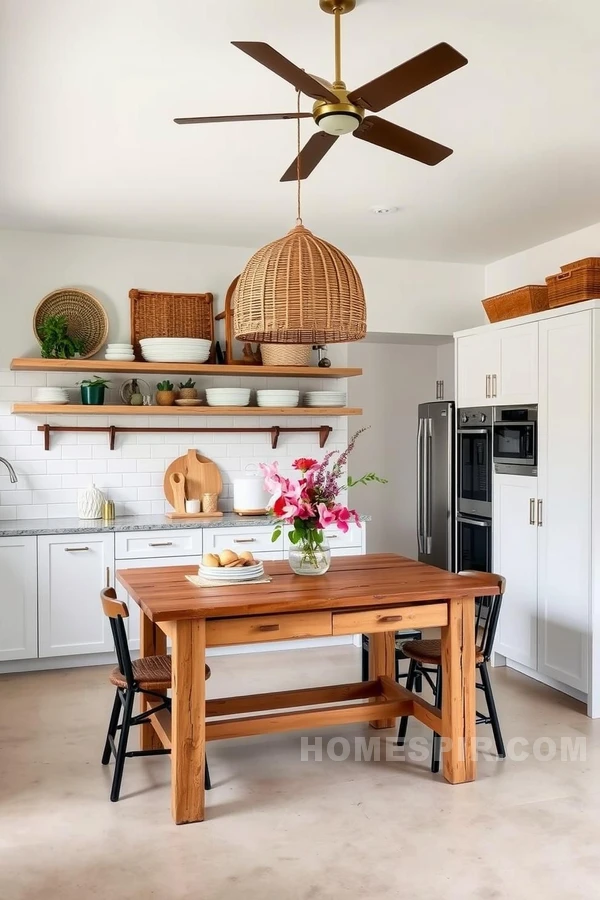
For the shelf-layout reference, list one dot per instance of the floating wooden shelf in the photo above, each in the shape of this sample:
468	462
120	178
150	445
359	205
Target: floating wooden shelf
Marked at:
73	409
100	366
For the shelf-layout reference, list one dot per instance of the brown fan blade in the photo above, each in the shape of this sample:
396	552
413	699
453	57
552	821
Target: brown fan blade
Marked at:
199	120
408	77
311	155
301	80
392	137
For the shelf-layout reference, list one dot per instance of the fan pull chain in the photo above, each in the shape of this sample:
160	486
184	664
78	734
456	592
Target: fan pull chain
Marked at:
298	207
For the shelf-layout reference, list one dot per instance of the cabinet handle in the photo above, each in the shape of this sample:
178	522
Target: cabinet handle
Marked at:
391	619
160	544
532	510
487	386
331	537
268	627
494	386
442	389
75	549
244	540
540	505
108	576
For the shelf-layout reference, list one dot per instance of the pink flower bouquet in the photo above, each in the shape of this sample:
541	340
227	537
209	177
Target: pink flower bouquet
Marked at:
309	503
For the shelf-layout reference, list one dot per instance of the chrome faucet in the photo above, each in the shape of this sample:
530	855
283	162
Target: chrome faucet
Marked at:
11	471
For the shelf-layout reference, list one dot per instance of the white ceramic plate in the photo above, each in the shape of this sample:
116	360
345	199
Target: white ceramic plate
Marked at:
246	573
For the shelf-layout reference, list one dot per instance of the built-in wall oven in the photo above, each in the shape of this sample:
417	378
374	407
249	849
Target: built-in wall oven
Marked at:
474	454
515	440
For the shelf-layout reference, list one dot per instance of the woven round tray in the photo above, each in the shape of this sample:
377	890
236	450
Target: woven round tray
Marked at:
85	315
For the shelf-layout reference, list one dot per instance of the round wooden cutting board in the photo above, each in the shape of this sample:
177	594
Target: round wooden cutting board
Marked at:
202	476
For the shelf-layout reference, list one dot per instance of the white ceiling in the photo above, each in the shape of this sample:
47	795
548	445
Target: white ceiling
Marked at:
88	89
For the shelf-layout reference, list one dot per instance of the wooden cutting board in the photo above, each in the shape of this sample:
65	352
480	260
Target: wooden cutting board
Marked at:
202	476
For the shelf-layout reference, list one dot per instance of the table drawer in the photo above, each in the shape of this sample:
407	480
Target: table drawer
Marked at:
153	544
287	627
390	619
238	539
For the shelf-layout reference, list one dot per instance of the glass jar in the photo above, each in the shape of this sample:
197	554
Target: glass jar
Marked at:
308	557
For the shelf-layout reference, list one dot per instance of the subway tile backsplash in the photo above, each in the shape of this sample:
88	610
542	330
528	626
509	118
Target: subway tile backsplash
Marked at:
132	474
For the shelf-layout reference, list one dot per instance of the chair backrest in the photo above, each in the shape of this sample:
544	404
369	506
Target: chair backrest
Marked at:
487	614
116	611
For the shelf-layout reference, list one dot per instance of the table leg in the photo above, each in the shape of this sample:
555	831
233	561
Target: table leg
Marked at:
188	724
458	691
153	642
382	661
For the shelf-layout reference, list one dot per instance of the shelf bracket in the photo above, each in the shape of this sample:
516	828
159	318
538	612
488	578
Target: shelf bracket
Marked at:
275	432
324	432
112	431
46	430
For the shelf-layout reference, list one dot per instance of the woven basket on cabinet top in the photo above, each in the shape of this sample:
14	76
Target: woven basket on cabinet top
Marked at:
299	290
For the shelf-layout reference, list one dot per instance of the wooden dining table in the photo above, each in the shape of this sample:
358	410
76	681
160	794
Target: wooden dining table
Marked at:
375	594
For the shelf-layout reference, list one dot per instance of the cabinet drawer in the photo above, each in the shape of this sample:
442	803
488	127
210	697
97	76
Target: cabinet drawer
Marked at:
337	539
221	632
389	619
253	539
152	544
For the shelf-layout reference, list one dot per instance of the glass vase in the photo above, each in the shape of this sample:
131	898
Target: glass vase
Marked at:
308	557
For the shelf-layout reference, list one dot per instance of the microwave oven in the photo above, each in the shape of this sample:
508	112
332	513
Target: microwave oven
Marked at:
515	440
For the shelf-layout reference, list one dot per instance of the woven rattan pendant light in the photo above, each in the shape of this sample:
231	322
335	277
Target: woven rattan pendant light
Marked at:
299	290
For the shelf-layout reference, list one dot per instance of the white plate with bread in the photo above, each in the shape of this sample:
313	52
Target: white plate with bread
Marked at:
228	566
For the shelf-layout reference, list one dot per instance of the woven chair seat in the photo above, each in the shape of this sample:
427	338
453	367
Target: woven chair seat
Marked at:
150	673
430	652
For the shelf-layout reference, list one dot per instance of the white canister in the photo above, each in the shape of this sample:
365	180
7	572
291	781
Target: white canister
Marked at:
89	503
250	496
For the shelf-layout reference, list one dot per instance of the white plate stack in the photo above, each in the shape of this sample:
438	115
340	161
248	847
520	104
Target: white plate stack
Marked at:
228	396
283	398
174	350
53	395
325	398
235	573
119	352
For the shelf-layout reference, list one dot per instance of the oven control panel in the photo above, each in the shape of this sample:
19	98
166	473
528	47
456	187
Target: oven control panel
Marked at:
475	417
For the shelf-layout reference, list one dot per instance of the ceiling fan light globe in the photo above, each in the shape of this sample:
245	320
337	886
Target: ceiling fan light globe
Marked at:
337	123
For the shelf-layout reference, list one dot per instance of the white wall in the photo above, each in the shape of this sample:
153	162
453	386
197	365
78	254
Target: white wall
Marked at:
533	265
397	378
402	295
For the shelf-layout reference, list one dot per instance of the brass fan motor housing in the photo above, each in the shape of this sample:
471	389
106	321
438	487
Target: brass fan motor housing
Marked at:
330	6
325	108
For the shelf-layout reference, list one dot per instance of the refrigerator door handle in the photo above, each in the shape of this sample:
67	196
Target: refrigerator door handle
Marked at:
428	486
420	536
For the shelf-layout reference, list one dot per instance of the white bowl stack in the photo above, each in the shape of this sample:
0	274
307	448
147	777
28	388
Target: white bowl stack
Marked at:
228	396
54	395
285	398
174	350
235	573
325	398
119	352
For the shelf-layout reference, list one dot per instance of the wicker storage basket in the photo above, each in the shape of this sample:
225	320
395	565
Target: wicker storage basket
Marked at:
156	314
85	316
575	282
530	298
285	354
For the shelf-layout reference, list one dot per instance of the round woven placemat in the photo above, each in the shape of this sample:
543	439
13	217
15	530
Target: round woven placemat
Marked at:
86	317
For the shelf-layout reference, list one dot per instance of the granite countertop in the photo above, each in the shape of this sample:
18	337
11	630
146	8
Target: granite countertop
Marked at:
16	527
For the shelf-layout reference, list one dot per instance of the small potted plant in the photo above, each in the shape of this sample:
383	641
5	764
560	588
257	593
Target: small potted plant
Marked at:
92	390
56	341
165	395
187	390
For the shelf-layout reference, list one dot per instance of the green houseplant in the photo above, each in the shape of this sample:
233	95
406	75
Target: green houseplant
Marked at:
92	390
187	390
56	341
165	394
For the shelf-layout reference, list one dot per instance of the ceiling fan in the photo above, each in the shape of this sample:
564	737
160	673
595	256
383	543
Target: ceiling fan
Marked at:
338	111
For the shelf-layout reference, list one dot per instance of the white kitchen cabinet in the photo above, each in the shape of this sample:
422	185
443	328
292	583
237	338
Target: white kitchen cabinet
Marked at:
515	556
498	367
565	488
153	544
18	598
257	539
72	570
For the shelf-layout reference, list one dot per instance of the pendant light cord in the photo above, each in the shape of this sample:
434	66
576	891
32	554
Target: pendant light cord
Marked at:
298	206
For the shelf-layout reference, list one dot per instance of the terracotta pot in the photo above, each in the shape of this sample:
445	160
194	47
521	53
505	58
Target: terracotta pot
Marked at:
165	398
188	394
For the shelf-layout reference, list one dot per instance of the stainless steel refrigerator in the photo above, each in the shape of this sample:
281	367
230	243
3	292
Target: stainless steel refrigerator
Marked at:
435	484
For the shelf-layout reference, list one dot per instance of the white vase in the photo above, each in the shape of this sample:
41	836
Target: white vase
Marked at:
89	503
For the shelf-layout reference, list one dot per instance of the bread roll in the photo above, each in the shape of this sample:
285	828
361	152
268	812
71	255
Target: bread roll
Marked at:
211	560
247	557
227	556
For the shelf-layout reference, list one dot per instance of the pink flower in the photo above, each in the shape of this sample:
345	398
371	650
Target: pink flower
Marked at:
326	516
344	516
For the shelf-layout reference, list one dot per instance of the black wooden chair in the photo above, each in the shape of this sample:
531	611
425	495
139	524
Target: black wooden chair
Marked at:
150	675
426	657
399	639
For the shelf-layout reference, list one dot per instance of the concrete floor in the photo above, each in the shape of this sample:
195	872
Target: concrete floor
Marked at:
279	828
